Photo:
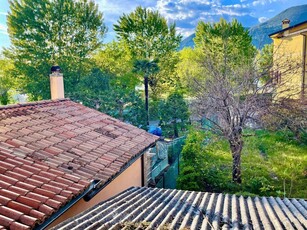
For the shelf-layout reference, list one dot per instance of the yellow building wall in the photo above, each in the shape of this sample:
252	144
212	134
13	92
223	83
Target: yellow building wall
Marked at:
287	59
132	176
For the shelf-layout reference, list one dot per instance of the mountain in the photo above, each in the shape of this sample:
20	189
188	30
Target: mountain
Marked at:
187	42
259	33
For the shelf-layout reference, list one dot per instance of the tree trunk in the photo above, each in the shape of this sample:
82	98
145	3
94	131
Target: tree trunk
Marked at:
236	145
146	99
175	129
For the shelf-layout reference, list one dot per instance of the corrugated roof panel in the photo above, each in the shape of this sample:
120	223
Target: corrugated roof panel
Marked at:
148	208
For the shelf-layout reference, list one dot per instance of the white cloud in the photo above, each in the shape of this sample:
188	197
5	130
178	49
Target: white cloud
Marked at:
194	9
3	13
263	2
263	19
3	29
185	32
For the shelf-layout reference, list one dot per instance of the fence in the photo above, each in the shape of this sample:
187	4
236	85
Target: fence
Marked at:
172	150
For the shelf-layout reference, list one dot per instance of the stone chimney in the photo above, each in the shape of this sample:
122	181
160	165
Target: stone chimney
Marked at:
56	83
285	23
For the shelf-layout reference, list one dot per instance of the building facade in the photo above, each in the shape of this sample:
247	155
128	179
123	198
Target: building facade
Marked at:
289	60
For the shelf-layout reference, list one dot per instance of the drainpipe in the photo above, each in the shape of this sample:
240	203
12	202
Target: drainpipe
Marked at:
143	170
304	68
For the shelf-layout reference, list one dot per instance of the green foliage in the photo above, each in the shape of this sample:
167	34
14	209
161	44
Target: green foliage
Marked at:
115	58
288	115
44	33
273	165
173	112
149	38
225	42
147	34
189	179
112	95
265	62
191	159
8	84
189	66
146	67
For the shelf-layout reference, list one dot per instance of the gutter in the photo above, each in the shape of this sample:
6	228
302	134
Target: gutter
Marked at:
101	185
63	209
290	27
95	187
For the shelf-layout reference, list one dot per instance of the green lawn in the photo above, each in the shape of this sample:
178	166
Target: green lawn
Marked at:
272	165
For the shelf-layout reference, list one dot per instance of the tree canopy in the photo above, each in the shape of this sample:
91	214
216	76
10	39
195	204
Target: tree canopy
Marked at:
149	37
48	32
147	34
225	42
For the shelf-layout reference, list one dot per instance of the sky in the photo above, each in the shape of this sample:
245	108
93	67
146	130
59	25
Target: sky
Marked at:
185	13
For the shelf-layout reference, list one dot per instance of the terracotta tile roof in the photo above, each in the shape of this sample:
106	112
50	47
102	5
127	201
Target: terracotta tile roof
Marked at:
176	209
69	136
47	146
27	196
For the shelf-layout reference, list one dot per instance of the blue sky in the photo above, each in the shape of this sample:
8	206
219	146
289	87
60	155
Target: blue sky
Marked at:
186	13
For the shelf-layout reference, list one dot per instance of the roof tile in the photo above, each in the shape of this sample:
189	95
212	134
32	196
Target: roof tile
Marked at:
18	190
47	147
5	221
4	200
9	194
18	226
29	202
24	185
26	199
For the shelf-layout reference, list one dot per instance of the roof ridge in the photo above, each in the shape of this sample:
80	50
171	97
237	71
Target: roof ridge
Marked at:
13	106
288	28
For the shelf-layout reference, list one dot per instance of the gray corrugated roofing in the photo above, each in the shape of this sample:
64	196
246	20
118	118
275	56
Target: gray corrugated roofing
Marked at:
150	208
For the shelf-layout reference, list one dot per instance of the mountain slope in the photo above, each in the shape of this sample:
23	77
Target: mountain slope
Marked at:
259	33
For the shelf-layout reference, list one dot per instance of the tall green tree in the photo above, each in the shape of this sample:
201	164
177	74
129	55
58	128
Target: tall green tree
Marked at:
149	37
48	32
192	158
146	67
175	111
147	34
121	100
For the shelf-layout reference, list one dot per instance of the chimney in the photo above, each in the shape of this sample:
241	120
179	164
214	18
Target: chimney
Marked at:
285	23
56	83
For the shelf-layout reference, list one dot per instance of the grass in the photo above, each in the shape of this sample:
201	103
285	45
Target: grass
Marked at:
273	164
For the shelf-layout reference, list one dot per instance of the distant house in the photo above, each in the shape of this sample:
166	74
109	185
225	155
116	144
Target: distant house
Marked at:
59	158
147	208
290	60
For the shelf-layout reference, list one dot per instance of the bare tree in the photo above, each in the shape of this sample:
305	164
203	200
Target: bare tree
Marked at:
234	89
228	100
